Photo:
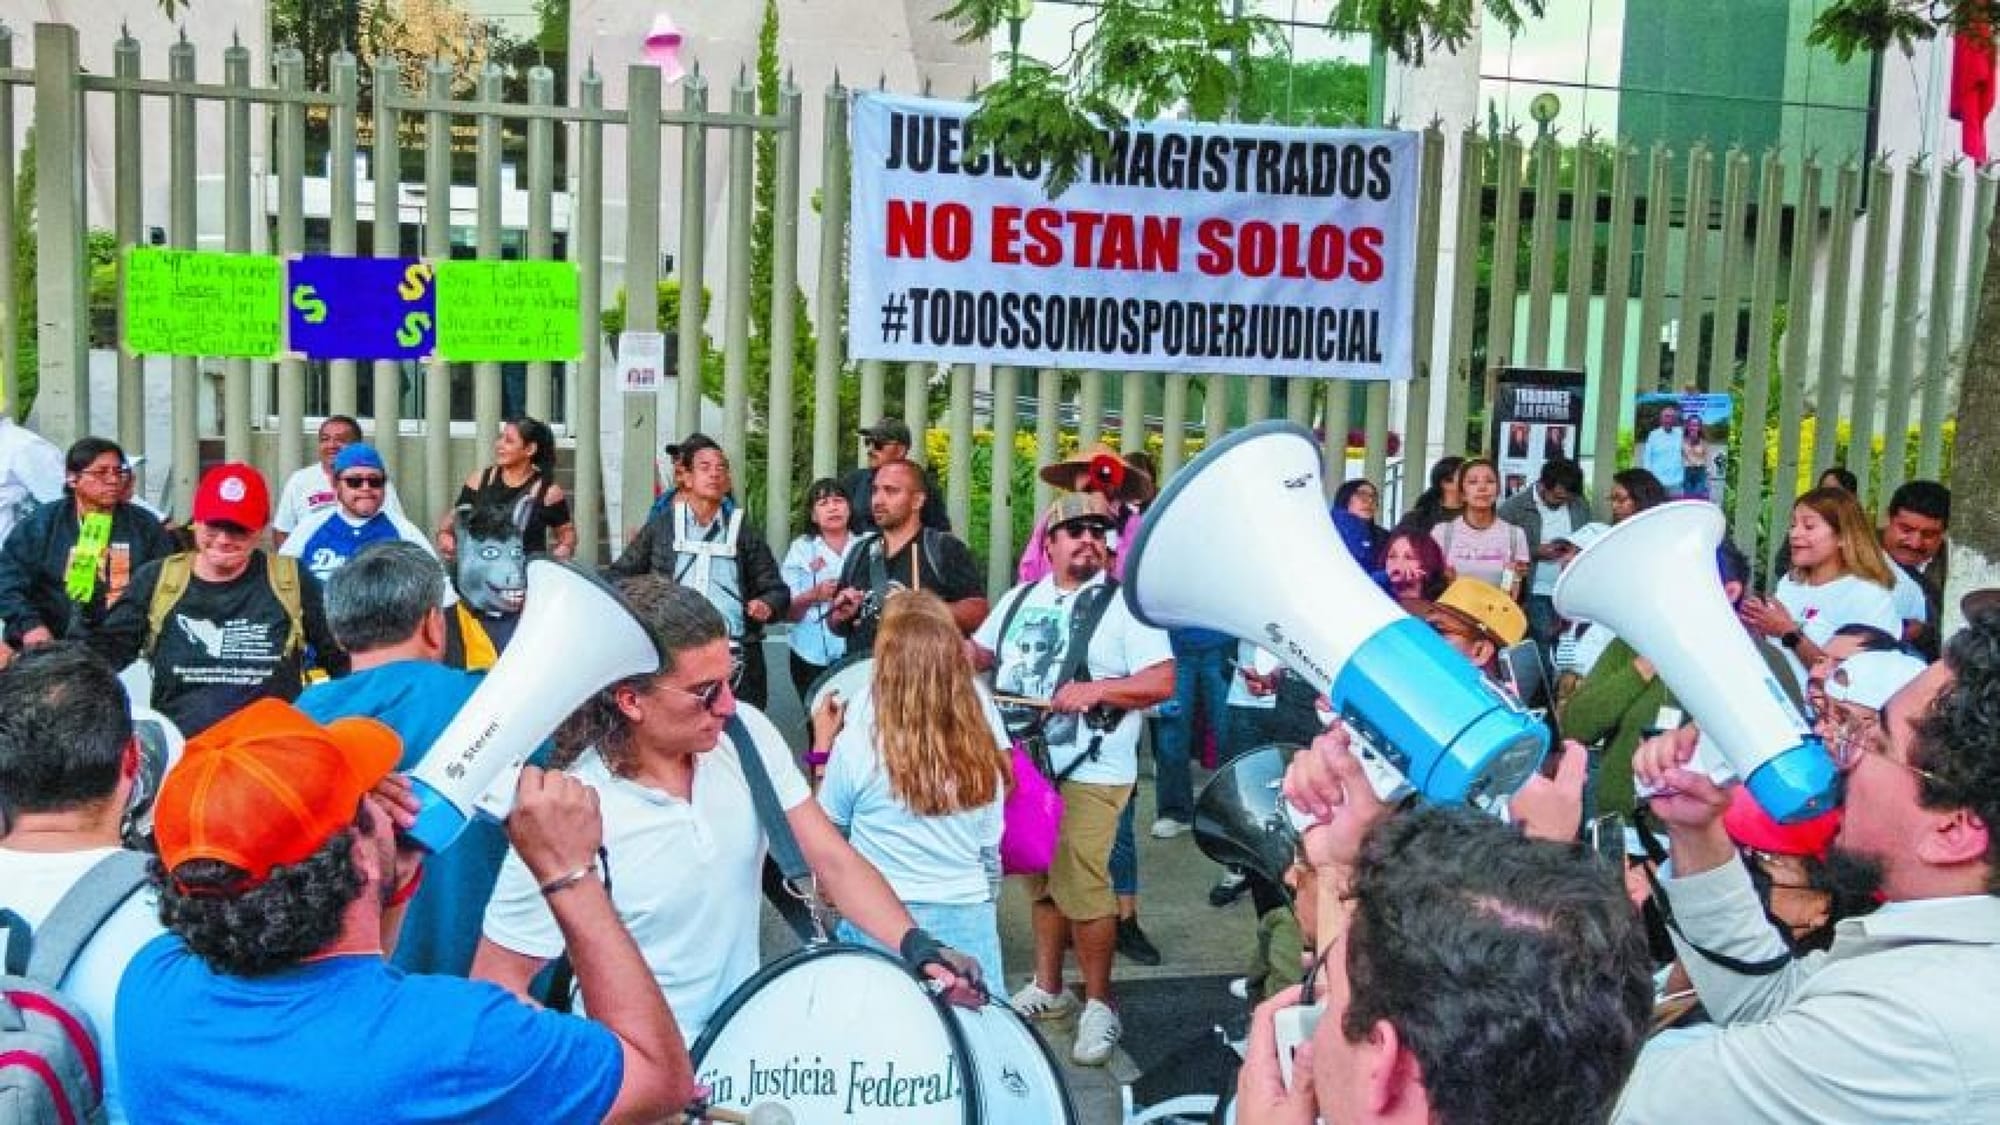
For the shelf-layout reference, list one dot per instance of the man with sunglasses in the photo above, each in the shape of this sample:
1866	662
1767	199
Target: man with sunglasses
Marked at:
1895	1021
312	489
888	441
1075	659
69	561
683	840
330	536
225	624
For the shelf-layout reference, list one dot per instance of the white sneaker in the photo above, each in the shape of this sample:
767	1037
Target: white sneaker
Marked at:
1167	827
1037	1003
1097	1033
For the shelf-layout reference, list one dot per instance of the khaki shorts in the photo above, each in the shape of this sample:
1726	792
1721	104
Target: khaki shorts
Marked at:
1079	878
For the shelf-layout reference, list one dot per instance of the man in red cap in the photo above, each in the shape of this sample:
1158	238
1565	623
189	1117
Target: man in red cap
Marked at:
226	623
282	884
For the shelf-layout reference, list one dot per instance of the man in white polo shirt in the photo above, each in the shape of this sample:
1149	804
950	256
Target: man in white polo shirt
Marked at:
1090	722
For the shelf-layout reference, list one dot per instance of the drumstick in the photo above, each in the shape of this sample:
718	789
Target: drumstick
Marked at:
1022	701
763	1113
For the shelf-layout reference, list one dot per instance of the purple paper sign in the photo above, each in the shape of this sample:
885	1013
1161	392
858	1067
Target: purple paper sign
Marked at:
360	308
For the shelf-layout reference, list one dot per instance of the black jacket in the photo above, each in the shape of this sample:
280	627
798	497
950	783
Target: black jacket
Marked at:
652	551
36	557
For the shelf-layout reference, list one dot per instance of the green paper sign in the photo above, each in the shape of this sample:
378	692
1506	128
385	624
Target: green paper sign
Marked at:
197	303
507	311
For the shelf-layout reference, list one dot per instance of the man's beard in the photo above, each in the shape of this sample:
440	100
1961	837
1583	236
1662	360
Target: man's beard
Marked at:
1855	880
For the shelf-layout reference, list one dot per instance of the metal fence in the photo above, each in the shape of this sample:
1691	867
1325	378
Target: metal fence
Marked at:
1854	285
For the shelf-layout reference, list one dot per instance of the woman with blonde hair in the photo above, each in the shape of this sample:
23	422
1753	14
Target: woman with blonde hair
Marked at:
1839	576
916	774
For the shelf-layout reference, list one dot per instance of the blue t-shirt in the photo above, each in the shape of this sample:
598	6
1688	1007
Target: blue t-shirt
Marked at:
418	699
349	1039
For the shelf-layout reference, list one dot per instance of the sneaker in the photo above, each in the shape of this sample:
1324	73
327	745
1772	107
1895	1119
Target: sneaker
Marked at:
1097	1033
1038	1003
1228	889
1133	944
1168	827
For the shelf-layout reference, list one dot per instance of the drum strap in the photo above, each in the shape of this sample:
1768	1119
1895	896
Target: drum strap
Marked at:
799	882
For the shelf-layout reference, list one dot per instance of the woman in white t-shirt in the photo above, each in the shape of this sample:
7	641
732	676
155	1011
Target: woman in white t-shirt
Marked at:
1479	544
916	773
1839	576
812	571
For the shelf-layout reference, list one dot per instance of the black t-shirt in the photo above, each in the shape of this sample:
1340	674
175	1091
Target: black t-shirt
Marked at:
222	646
932	560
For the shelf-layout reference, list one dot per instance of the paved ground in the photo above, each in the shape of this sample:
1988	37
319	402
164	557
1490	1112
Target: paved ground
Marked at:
1202	947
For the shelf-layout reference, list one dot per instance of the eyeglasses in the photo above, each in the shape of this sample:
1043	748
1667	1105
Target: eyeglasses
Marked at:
1852	740
1095	531
707	694
119	473
873	443
364	481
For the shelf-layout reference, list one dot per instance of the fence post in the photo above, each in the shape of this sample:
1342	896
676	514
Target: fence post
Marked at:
588	250
1833	330
1903	335
1750	504
486	391
343	383
1173	423
291	70
236	239
1798	330
1000	520
1417	393
128	134
779	414
694	253
832	286
1653	274
438	491
62	275
541	246
642	289
1728	290
1465	286
1694	264
736	286
1868	333
181	233
1542	242
1942	332
385	158
1610	398
1582	259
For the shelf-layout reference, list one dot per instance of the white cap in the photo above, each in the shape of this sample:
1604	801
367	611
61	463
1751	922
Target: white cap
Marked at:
1868	679
1584	536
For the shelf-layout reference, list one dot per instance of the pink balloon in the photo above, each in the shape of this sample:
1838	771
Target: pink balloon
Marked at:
663	47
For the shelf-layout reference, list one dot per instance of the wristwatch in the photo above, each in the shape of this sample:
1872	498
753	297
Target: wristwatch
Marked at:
1791	640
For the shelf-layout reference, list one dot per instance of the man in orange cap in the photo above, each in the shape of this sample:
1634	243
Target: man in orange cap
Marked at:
226	623
282	884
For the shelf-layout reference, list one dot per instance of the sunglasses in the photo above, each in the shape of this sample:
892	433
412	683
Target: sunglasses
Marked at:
1095	531
364	481
873	443
707	694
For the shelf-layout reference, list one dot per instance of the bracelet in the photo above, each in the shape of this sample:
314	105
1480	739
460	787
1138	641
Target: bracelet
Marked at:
565	882
818	757
408	890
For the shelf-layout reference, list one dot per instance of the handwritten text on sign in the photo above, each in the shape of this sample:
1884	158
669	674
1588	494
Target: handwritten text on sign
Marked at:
189	302
507	311
1207	248
359	308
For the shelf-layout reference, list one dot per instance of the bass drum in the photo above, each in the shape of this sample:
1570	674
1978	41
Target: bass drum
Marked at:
839	1033
845	676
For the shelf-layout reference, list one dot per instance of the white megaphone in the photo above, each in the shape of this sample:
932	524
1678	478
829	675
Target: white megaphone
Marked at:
575	636
1652	580
1252	507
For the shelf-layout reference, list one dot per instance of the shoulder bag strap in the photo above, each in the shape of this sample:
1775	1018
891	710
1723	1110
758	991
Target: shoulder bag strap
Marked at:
784	845
81	912
1082	626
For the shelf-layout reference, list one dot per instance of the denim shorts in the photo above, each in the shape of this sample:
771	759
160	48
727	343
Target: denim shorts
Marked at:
971	928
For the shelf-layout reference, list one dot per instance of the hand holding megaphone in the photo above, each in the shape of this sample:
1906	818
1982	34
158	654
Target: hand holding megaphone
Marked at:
1678	785
1332	801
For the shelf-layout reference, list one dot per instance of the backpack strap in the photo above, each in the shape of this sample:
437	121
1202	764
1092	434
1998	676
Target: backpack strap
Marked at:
81	912
283	573
176	571
929	538
1083	620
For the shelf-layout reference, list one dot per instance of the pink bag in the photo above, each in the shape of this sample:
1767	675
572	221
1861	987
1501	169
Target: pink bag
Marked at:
1030	818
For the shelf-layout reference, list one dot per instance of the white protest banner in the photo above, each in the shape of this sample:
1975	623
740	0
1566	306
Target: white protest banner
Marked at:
642	361
1199	248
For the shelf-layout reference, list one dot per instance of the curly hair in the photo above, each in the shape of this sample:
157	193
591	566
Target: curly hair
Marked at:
1643	487
937	747
1958	742
1513	969
292	914
679	619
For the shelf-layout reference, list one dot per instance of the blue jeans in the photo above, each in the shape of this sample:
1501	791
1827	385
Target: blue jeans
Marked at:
1201	680
971	928
1125	855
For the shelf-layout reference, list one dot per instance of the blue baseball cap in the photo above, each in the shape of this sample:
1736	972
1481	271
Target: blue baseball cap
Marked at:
359	455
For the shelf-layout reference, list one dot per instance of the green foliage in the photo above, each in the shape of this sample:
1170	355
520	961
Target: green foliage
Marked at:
1327	92
1851	26
1130	58
27	356
1409	28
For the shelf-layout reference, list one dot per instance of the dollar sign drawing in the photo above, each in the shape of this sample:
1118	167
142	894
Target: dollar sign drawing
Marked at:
306	300
414	279
413	329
